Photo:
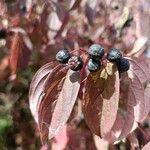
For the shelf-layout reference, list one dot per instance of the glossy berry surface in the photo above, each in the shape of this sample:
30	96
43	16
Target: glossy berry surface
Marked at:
75	63
93	65
63	56
114	55
123	65
96	51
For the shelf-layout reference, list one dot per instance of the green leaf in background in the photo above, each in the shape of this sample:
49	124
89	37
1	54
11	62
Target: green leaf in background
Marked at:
4	125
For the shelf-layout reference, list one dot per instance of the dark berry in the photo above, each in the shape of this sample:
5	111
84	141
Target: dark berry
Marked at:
22	7
3	34
96	51
123	65
75	63
114	55
93	65
63	56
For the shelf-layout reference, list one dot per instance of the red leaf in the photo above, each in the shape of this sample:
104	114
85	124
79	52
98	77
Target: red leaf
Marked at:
142	74
90	10
110	97
147	100
75	5
142	69
36	91
63	25
52	89
101	100
136	105
19	54
100	144
65	102
15	52
3	8
37	32
133	141
115	132
60	93
54	24
60	140
129	123
146	147
44	147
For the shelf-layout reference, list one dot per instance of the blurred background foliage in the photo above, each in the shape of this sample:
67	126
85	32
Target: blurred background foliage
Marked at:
51	25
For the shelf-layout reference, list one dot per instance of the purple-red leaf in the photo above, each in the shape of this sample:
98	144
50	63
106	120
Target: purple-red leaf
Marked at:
110	97
53	97
60	140
115	132
142	70
146	147
100	144
136	108
101	100
52	88
75	5
129	124
129	116
133	141
19	52
36	91
65	102
90	10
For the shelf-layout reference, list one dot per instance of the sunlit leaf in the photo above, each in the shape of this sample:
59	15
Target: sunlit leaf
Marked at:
52	89
61	139
36	91
146	147
135	105
141	74
101	101
115	132
65	102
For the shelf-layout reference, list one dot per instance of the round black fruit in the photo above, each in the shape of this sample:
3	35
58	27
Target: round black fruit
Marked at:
123	65
63	56
96	51
114	55
93	65
22	7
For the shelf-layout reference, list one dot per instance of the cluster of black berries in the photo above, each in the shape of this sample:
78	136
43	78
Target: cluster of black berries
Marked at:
75	62
96	53
115	56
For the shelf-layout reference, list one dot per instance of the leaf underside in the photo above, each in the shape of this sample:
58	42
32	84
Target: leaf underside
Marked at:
101	101
53	92
138	99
